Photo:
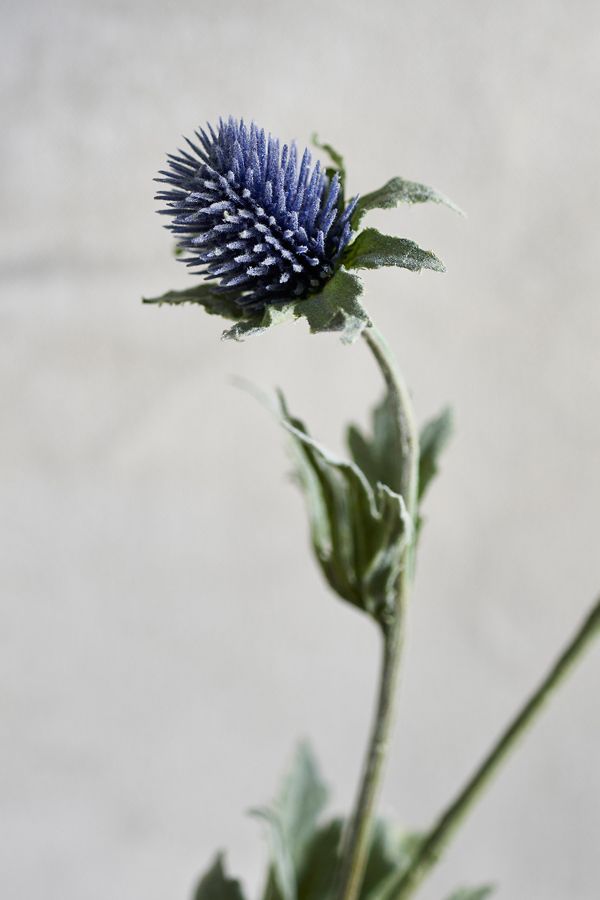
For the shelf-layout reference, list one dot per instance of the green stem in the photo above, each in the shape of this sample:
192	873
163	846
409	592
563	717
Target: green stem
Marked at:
355	849
436	841
408	438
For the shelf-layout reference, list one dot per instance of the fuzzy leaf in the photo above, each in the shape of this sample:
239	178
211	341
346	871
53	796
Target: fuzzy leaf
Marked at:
301	800
387	886
215	885
316	879
358	531
281	879
335	308
292	822
480	893
398	190
432	441
258	322
391	850
215	302
372	250
377	454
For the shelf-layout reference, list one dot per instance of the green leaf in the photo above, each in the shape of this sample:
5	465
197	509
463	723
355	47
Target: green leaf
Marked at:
337	162
301	800
387	886
216	303
335	308
371	250
316	879
432	441
281	878
479	893
398	190
215	885
258	322
391	850
377	454
358	531
292	822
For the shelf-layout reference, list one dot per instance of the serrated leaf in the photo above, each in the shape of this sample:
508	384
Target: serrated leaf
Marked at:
215	302
396	191
377	454
335	308
359	532
432	441
372	250
259	322
215	885
479	893
292	822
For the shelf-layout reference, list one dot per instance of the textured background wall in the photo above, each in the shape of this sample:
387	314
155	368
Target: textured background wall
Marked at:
165	638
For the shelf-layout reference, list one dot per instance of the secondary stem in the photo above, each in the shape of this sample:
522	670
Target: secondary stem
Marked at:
435	843
357	840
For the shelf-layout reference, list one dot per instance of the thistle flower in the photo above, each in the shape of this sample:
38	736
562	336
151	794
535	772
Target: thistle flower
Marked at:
272	236
247	215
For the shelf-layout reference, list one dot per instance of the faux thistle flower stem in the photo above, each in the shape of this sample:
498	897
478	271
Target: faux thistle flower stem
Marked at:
357	839
277	240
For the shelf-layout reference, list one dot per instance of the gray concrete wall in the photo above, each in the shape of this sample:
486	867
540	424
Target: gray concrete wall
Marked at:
165	637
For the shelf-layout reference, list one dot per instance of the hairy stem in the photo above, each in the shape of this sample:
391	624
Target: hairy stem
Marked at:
436	841
355	849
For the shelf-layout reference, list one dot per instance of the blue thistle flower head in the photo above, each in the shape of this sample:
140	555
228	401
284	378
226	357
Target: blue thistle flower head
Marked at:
250	217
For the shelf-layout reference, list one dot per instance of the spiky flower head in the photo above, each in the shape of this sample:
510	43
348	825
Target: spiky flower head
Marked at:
249	216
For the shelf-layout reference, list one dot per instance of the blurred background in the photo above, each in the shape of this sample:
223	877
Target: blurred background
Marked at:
165	637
